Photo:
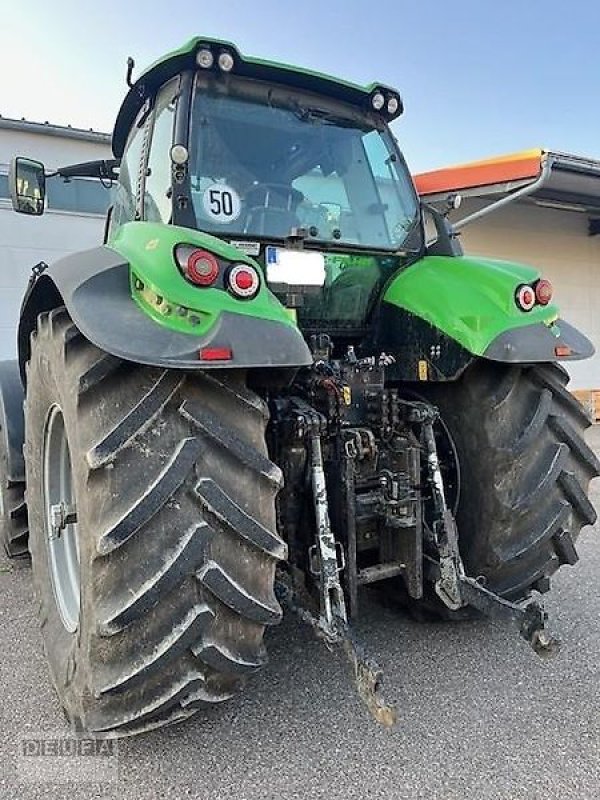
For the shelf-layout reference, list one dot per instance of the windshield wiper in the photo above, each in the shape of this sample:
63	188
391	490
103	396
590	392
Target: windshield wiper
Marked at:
308	114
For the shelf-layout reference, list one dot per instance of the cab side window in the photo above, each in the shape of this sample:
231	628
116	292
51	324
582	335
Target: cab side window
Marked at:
157	194
124	207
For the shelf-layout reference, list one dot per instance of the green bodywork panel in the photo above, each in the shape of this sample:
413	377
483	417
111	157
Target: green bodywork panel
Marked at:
472	300
161	291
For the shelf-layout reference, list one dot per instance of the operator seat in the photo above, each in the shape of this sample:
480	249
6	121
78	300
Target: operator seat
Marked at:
349	296
272	209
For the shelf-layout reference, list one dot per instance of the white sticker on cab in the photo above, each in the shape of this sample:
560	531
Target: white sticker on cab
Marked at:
249	248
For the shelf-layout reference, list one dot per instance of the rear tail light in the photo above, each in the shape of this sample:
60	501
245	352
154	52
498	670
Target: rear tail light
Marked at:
525	297
243	281
543	292
199	266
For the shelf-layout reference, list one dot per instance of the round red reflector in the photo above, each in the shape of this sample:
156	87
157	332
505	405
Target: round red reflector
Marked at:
543	292
243	280
202	268
525	298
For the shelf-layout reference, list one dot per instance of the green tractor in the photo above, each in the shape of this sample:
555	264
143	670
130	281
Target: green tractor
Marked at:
269	369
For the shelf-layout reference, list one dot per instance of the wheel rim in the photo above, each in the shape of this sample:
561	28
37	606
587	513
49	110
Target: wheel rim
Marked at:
60	520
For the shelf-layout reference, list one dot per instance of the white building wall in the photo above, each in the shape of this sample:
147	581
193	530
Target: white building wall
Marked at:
558	244
51	148
25	240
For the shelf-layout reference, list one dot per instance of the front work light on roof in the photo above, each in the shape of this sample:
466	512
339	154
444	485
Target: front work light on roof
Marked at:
393	105
225	61
204	58
378	101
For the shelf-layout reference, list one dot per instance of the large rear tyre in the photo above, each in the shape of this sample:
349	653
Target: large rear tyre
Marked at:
152	517
525	470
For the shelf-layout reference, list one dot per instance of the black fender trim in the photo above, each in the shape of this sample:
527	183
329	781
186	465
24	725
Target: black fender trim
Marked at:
94	286
414	342
12	421
537	343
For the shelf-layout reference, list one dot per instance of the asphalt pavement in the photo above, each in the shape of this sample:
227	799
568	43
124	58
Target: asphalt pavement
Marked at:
480	715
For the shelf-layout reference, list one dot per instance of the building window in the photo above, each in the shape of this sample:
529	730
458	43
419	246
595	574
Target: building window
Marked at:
79	195
85	196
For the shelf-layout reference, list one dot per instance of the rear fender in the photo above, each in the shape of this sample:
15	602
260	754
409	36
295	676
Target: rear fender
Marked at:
472	302
106	292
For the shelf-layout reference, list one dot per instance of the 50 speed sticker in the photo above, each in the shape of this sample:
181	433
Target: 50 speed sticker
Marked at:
221	203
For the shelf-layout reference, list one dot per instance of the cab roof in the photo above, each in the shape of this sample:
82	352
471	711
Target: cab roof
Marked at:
245	66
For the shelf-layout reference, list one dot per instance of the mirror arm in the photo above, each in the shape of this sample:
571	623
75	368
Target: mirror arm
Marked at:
104	169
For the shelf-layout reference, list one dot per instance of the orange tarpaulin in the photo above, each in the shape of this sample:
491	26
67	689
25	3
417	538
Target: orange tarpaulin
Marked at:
513	167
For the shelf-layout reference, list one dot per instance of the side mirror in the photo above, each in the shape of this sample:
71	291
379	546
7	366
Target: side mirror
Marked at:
27	181
445	241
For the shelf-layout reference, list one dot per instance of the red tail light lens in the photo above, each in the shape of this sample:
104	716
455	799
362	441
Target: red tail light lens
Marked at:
243	281
202	268
525	297
198	266
543	292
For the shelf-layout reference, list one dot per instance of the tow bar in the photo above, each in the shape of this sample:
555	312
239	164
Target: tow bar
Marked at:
332	626
333	619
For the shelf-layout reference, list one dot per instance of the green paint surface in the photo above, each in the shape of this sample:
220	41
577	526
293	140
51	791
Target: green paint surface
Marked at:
472	300
162	292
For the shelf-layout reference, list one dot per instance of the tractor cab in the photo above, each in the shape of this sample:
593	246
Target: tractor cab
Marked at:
297	170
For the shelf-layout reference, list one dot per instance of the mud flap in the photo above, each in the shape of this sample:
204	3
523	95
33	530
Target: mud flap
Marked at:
11	418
